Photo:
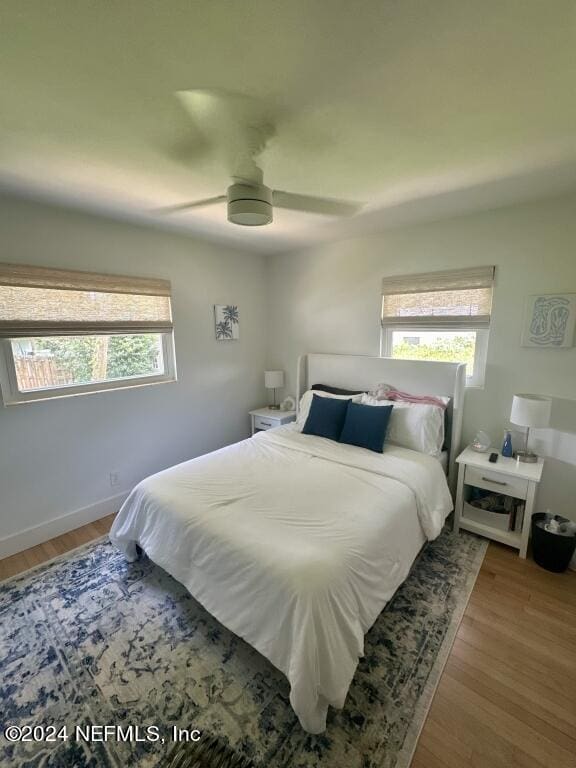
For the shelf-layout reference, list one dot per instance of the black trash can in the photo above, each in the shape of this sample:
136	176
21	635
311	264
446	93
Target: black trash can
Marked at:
552	549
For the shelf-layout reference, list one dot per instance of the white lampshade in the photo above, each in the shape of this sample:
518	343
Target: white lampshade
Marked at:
531	411
273	379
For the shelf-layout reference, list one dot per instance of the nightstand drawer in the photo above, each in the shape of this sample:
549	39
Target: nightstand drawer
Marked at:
267	418
262	422
496	481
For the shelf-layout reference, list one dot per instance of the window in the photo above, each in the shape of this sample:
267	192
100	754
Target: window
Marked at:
66	333
439	316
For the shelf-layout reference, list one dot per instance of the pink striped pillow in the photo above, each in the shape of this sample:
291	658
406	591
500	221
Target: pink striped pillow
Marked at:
388	392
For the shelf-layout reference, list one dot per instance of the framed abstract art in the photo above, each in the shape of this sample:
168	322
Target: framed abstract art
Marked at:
549	321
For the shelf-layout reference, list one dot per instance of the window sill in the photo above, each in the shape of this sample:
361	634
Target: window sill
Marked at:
45	395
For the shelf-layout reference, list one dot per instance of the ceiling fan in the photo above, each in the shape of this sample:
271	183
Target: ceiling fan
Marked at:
238	128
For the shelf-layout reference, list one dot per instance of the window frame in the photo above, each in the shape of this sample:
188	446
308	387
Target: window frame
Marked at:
11	395
480	347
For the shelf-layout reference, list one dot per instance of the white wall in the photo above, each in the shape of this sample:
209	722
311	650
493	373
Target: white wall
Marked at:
56	457
327	299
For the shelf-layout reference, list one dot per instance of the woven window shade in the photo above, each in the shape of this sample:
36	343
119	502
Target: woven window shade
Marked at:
455	299
35	301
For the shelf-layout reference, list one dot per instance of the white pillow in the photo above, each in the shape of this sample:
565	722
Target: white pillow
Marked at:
413	425
306	402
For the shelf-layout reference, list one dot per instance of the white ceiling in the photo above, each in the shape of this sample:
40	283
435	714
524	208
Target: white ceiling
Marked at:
416	105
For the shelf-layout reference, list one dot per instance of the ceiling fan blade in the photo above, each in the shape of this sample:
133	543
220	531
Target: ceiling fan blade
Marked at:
325	206
188	206
235	125
226	113
184	152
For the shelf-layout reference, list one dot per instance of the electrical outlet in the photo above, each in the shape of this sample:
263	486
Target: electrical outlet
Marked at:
114	479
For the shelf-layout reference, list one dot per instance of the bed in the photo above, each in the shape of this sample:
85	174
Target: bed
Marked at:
295	542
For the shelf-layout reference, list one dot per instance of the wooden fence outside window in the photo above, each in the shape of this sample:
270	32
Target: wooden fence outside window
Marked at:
39	372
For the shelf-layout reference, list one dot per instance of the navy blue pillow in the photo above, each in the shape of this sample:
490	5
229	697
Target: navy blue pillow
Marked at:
326	417
366	426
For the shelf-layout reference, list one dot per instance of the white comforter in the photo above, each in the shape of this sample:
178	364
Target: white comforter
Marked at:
293	542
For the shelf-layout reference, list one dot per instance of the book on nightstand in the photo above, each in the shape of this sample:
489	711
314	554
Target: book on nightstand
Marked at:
517	515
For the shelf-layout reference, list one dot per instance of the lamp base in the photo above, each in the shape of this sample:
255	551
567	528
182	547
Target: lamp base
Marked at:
526	457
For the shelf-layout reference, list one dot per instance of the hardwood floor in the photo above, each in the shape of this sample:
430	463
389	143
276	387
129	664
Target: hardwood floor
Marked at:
10	566
507	697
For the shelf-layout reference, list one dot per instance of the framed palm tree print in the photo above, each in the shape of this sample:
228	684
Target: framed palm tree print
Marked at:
226	322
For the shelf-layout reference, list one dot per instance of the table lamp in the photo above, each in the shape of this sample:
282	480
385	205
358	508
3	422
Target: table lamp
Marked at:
530	411
274	380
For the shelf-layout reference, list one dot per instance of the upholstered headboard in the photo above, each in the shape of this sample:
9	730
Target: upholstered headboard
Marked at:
420	377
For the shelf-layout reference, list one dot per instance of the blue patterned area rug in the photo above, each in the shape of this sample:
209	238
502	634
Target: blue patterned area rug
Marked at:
90	640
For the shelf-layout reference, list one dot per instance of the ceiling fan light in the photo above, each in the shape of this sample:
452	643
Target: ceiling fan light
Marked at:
249	205
249	213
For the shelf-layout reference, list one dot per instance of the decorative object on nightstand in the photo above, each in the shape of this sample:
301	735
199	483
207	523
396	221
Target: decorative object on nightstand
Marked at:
481	442
268	418
530	411
496	500
274	380
288	404
507	450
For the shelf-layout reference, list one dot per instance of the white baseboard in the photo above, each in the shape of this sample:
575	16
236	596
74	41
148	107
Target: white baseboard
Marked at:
30	537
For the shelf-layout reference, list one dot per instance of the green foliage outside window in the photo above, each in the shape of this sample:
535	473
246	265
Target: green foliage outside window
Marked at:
459	349
73	356
132	356
93	358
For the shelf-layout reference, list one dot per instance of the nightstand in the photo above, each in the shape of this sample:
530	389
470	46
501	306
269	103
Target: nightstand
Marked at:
267	418
507	477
